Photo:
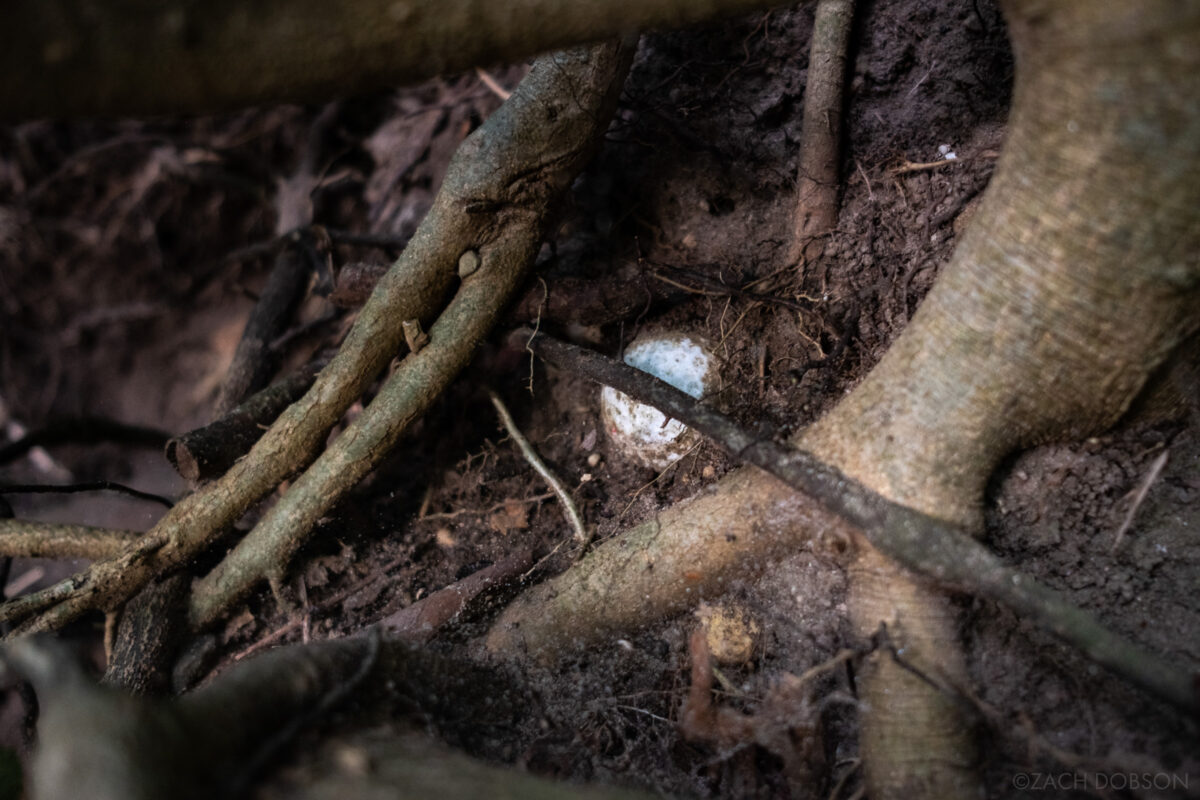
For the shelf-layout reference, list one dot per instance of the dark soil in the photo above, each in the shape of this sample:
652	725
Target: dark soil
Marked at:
122	296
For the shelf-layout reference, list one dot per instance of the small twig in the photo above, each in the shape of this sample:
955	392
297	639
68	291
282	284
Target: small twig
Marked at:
1138	498
633	498
89	486
572	513
922	79
649	714
866	180
20	583
423	619
492	84
537	325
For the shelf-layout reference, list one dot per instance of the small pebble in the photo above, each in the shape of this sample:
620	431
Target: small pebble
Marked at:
354	760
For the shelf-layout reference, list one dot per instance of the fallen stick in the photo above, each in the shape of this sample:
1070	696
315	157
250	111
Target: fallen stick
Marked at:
206	453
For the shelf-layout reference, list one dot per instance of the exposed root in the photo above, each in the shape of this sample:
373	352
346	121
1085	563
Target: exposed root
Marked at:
28	539
560	111
582	537
923	543
1139	497
493	200
821	131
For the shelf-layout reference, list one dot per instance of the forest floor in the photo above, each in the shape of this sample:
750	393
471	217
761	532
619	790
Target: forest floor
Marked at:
124	287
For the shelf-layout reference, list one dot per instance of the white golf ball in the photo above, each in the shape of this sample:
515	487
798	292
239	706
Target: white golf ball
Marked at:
643	432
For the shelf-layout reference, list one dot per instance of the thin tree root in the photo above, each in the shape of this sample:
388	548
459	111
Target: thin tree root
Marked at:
570	511
821	130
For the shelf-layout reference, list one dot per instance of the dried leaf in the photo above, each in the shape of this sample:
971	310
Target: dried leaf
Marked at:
514	516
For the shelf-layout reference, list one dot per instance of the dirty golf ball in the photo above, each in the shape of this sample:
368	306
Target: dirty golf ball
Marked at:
643	432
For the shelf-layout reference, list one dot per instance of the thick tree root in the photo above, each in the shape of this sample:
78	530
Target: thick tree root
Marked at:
489	215
226	55
537	143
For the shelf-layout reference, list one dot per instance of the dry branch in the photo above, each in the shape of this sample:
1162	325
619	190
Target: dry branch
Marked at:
150	57
205	453
252	360
420	621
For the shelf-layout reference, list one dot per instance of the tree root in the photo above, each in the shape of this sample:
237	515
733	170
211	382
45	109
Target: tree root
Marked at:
923	543
821	130
27	539
582	537
491	207
549	129
227	56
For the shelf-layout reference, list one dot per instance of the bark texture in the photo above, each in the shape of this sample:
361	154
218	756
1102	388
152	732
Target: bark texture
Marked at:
1078	276
22	538
141	57
821	135
490	217
205	453
491	207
